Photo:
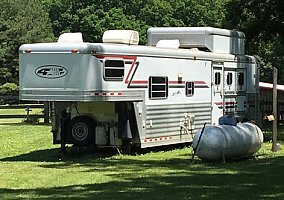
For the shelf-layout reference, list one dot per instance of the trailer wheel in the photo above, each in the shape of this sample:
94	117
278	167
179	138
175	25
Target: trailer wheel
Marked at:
82	131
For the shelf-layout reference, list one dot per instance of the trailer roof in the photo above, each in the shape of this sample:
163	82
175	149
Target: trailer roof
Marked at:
122	49
196	31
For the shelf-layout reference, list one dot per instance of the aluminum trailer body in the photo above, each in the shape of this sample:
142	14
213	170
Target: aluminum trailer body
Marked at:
112	94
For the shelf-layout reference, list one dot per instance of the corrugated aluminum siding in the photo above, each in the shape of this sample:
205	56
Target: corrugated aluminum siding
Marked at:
166	118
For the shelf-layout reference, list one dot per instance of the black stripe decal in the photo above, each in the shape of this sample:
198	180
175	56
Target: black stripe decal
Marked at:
137	86
176	86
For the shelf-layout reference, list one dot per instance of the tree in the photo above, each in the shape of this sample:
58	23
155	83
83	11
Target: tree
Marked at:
20	23
93	17
263	23
200	12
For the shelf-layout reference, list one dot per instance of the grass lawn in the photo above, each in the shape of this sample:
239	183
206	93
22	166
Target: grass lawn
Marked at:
32	168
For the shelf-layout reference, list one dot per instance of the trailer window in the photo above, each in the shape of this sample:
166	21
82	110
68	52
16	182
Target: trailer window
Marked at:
217	78
114	70
229	78
241	79
158	87
189	88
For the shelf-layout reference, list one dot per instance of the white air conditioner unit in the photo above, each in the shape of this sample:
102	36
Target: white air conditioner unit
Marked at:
121	36
70	38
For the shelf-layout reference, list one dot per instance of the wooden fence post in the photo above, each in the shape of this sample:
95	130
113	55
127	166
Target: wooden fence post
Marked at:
274	112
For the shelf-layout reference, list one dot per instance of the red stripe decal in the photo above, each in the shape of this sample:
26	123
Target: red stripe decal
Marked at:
131	68
117	56
139	82
176	82
199	82
170	82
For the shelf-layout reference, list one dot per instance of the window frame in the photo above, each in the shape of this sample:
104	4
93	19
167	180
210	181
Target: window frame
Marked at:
156	84
105	68
229	79
217	78
191	88
241	78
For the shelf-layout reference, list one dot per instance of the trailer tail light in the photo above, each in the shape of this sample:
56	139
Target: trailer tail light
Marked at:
27	50
74	51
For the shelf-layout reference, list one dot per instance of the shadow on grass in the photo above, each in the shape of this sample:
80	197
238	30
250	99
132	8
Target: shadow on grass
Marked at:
46	155
258	179
55	155
81	154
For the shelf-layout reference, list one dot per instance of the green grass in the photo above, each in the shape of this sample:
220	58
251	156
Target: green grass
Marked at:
32	168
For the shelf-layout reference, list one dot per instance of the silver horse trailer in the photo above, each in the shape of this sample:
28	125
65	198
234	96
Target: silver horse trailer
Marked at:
118	93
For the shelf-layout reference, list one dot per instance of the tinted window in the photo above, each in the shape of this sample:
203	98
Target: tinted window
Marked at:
113	70
158	87
189	88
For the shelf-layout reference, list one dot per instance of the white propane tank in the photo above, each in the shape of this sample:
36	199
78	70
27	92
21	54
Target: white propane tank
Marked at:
227	141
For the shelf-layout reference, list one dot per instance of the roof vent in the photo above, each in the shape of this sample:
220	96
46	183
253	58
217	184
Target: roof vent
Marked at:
121	36
70	38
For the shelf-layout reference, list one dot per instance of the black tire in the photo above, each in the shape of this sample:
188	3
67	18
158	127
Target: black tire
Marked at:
81	131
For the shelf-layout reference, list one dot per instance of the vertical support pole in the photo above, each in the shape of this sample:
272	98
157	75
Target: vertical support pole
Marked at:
46	112
274	130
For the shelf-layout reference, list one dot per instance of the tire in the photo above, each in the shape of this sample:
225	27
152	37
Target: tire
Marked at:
82	131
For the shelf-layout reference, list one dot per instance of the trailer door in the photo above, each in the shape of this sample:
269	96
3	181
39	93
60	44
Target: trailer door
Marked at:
230	90
217	91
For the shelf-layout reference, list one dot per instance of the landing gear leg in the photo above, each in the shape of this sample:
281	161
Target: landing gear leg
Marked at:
63	133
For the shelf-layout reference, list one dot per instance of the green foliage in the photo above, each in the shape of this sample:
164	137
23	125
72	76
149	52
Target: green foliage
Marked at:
20	23
9	89
92	18
262	22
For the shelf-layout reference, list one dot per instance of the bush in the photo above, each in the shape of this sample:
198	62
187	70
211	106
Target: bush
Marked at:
9	89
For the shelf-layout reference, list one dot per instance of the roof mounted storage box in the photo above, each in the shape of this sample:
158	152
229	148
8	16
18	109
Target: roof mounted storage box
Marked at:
213	39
